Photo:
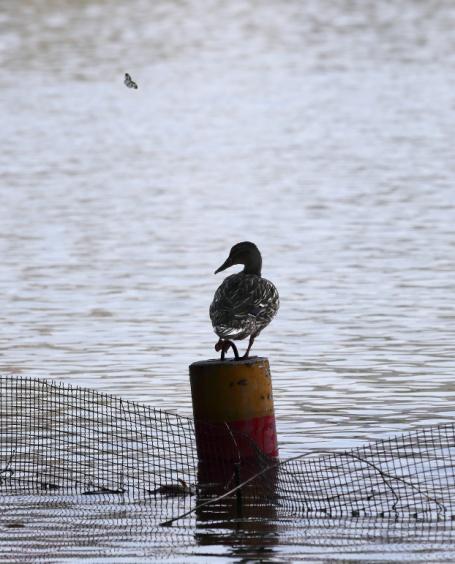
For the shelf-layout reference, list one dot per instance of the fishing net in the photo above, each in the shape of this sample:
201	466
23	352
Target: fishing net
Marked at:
98	460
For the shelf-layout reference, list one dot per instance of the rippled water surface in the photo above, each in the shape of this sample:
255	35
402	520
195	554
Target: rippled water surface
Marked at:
322	131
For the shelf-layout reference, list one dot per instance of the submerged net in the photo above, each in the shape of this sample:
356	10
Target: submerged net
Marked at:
73	448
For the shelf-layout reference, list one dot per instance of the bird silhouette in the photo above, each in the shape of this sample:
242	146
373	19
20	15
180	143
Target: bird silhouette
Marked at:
245	303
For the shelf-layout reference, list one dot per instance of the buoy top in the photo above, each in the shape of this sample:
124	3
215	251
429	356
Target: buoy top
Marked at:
230	361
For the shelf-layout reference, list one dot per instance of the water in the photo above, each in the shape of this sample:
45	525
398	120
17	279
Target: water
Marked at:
323	132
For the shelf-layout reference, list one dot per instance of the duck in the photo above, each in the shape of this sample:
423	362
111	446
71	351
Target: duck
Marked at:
245	303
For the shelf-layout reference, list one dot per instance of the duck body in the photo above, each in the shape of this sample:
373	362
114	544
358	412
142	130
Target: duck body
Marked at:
245	303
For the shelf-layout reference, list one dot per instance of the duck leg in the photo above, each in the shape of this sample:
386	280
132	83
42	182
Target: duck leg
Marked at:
250	344
224	345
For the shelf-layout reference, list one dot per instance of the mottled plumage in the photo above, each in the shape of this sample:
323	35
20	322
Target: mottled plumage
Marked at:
245	303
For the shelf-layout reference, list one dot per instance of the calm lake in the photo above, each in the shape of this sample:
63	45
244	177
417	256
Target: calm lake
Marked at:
324	132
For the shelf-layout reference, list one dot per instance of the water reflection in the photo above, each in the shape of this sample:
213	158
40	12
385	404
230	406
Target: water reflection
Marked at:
57	527
252	530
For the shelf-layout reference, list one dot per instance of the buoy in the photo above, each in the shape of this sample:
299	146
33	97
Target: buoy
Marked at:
233	409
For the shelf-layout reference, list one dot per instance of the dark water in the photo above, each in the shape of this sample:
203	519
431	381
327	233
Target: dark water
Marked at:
322	131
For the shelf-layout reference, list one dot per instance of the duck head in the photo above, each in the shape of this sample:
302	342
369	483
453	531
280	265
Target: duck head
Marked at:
245	253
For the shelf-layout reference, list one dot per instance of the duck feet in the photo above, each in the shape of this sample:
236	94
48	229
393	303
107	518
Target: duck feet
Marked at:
224	345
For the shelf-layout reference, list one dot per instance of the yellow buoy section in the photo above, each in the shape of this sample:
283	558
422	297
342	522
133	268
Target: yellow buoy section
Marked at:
238	393
226	390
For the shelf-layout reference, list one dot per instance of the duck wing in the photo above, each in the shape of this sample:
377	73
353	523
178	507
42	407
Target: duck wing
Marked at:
243	305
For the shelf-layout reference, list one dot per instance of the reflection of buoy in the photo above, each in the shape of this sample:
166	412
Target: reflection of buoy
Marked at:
233	409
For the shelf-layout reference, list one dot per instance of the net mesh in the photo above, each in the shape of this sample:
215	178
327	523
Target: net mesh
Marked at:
81	450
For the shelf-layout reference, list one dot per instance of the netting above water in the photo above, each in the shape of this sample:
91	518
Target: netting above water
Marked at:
55	437
65	440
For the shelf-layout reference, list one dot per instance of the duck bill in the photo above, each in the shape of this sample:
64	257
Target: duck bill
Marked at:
226	264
